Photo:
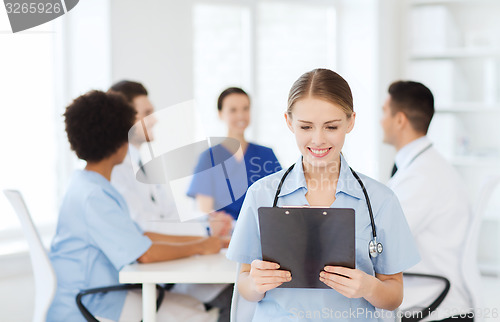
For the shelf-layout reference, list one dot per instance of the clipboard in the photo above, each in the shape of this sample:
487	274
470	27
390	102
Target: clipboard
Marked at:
303	240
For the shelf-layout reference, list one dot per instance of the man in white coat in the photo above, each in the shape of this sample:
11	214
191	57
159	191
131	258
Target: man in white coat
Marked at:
152	206
432	196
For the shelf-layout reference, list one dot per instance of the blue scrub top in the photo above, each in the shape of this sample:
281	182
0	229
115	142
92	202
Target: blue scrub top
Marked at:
400	251
95	238
227	186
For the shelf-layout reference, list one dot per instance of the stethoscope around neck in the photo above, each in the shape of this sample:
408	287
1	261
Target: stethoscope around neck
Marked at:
374	248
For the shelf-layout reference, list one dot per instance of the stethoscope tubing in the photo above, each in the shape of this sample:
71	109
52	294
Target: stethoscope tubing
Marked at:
375	247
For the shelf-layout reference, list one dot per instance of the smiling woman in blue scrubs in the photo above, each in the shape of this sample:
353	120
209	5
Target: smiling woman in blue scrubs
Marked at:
211	191
95	235
320	115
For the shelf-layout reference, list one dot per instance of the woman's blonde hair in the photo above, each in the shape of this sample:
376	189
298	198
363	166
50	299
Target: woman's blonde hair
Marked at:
322	84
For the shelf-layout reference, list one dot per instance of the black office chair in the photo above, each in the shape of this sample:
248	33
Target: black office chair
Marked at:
418	314
123	287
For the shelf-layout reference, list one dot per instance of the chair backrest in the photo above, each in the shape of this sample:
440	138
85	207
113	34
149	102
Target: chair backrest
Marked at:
470	268
241	309
44	275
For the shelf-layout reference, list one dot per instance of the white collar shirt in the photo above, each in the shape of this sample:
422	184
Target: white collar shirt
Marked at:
435	204
152	206
409	152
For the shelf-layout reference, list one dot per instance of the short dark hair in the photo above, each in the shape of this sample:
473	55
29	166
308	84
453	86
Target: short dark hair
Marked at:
227	92
415	100
129	89
97	124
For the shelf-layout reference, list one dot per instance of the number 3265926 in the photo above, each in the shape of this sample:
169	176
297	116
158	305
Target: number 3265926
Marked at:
32	7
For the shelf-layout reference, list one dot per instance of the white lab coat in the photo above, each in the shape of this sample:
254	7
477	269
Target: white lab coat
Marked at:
158	216
436	206
151	215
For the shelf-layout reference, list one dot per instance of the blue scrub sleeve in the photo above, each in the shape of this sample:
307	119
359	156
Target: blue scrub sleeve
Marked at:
201	182
400	251
113	231
245	241
277	165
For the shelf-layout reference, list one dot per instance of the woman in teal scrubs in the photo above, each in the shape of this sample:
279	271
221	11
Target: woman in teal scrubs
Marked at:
95	235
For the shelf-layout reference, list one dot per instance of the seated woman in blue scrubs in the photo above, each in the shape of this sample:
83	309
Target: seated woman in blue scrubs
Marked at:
234	109
320	114
95	235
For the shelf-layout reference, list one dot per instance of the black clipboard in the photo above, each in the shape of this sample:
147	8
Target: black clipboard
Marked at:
304	240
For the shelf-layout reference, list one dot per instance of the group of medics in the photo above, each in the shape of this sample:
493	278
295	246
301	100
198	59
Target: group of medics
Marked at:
107	218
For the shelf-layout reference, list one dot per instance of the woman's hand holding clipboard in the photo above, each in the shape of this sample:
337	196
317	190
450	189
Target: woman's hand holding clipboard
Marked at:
266	275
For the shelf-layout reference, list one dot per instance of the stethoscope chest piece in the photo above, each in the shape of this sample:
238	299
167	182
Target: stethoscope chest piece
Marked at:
375	248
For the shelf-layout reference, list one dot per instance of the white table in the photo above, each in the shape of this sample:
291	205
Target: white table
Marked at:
203	269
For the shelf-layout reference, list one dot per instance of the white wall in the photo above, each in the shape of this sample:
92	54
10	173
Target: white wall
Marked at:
156	49
152	43
388	69
17	291
81	61
357	54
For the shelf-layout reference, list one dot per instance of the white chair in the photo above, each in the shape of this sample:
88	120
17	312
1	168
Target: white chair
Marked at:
241	309
45	277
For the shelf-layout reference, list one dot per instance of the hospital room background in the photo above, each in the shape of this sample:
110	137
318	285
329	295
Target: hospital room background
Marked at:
188	51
